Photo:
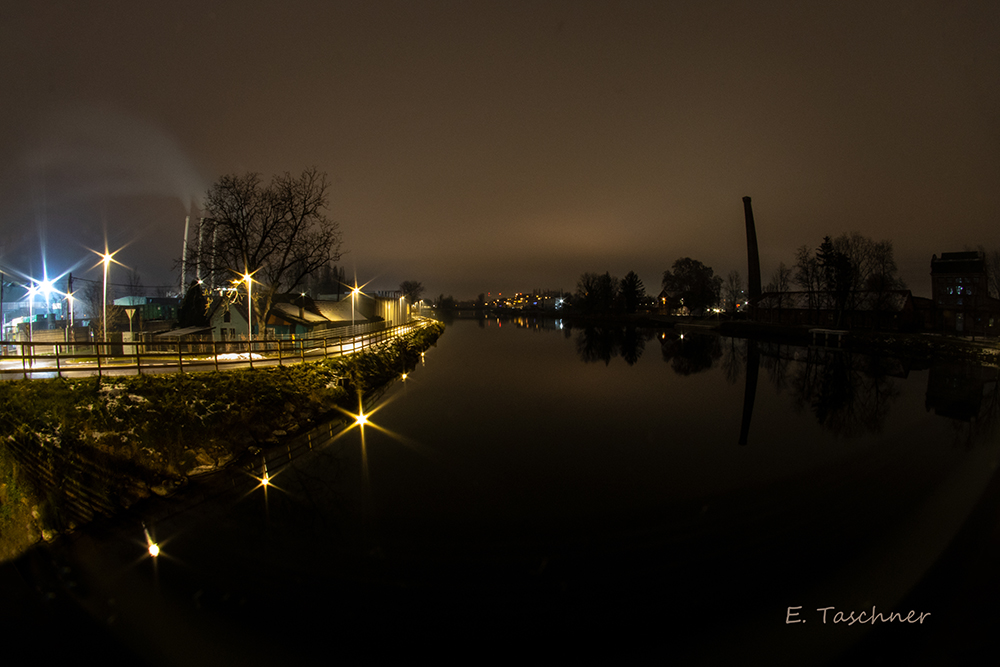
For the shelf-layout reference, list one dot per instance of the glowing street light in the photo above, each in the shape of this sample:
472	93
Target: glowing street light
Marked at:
70	300
152	547
354	293
32	291
106	260
249	281
46	288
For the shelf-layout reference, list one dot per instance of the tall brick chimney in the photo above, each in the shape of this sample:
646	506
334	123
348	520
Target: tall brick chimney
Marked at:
753	259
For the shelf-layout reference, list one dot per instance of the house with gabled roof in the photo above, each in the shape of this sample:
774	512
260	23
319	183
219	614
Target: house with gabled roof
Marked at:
228	319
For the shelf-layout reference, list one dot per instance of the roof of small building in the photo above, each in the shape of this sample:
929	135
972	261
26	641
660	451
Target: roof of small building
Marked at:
186	331
221	304
295	313
958	262
339	311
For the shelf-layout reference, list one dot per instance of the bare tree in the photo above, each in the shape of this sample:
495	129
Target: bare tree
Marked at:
809	275
882	280
412	290
779	285
278	233
781	279
596	293
93	302
133	284
992	258
733	290
860	252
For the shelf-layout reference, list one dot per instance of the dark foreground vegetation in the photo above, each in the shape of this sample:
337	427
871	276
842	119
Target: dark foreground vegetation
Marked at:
70	449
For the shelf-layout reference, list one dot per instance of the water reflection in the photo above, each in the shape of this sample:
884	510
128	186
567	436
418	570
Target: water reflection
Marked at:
596	343
848	393
968	395
689	353
584	496
750	392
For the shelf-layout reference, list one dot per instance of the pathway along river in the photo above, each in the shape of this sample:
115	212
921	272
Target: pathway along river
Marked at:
536	493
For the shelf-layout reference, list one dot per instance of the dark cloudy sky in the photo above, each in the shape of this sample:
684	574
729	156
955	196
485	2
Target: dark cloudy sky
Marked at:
505	146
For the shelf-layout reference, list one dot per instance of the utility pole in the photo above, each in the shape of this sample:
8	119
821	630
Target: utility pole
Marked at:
69	297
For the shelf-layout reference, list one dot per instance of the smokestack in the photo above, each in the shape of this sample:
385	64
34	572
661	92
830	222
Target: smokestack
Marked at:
211	271
184	254
197	268
753	259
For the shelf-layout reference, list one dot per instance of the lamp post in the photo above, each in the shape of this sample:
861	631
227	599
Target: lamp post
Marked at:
32	291
249	282
70	336
353	293
106	260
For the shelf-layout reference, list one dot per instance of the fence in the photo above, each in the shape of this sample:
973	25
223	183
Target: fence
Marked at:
48	358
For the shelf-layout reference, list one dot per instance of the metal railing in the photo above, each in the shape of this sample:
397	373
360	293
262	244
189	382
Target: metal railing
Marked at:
69	359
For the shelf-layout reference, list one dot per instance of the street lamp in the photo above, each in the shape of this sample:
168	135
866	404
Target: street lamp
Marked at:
354	292
106	260
32	291
249	281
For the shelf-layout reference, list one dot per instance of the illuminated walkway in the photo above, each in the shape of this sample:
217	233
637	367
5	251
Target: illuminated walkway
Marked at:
257	354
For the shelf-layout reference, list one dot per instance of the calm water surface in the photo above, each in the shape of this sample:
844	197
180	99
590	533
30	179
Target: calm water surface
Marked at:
535	493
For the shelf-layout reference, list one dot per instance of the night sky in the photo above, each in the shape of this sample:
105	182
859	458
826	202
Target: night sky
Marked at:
505	146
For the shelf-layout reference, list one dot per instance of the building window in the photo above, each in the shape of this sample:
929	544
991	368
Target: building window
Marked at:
227	317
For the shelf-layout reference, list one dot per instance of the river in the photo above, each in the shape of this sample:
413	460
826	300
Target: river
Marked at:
538	493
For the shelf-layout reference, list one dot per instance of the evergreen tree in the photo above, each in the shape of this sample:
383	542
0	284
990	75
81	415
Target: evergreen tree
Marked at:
194	308
632	291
